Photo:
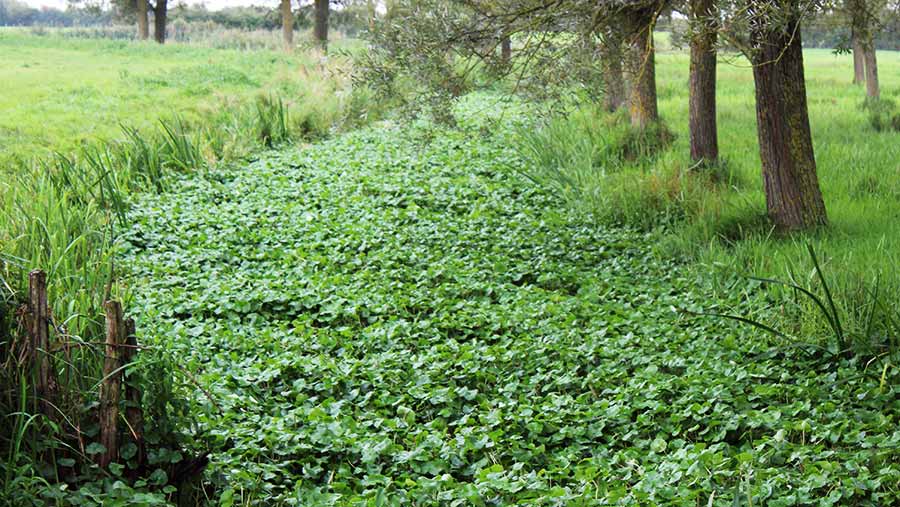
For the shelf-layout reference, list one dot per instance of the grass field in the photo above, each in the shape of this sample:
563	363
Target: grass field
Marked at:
72	97
62	92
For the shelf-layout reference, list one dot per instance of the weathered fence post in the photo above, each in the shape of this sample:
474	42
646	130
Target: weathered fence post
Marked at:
39	333
133	411
111	385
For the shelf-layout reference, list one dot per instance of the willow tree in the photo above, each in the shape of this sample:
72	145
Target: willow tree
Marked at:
638	19
287	25
625	30
863	16
160	14
320	26
704	134
439	41
439	44
793	197
143	21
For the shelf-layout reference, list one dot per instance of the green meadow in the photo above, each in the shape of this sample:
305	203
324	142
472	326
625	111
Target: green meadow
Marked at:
60	93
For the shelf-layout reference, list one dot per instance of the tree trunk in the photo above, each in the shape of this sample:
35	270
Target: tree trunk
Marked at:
287	25
611	63
320	30
505	50
614	79
793	198
642	103
859	73
142	20
159	21
702	102
873	91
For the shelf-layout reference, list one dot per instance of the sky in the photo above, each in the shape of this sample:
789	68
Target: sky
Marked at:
210	4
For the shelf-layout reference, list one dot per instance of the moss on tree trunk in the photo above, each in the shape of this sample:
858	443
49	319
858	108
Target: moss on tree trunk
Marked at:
702	100
611	62
320	29
160	12
287	25
793	197
873	89
859	66
642	69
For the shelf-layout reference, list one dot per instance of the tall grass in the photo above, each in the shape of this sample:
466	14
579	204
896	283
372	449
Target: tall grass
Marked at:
872	333
63	215
603	166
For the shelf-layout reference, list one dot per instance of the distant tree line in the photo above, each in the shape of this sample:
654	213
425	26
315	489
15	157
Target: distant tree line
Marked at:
830	30
825	30
16	13
350	17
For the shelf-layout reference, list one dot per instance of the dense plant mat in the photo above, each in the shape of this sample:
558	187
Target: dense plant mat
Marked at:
393	317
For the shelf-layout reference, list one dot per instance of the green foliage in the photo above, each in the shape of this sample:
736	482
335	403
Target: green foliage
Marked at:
393	317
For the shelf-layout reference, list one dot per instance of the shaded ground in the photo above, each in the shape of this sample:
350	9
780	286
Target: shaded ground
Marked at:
393	318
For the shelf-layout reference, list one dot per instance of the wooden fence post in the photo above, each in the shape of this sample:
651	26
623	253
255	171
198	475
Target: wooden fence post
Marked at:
111	385
133	412
39	333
